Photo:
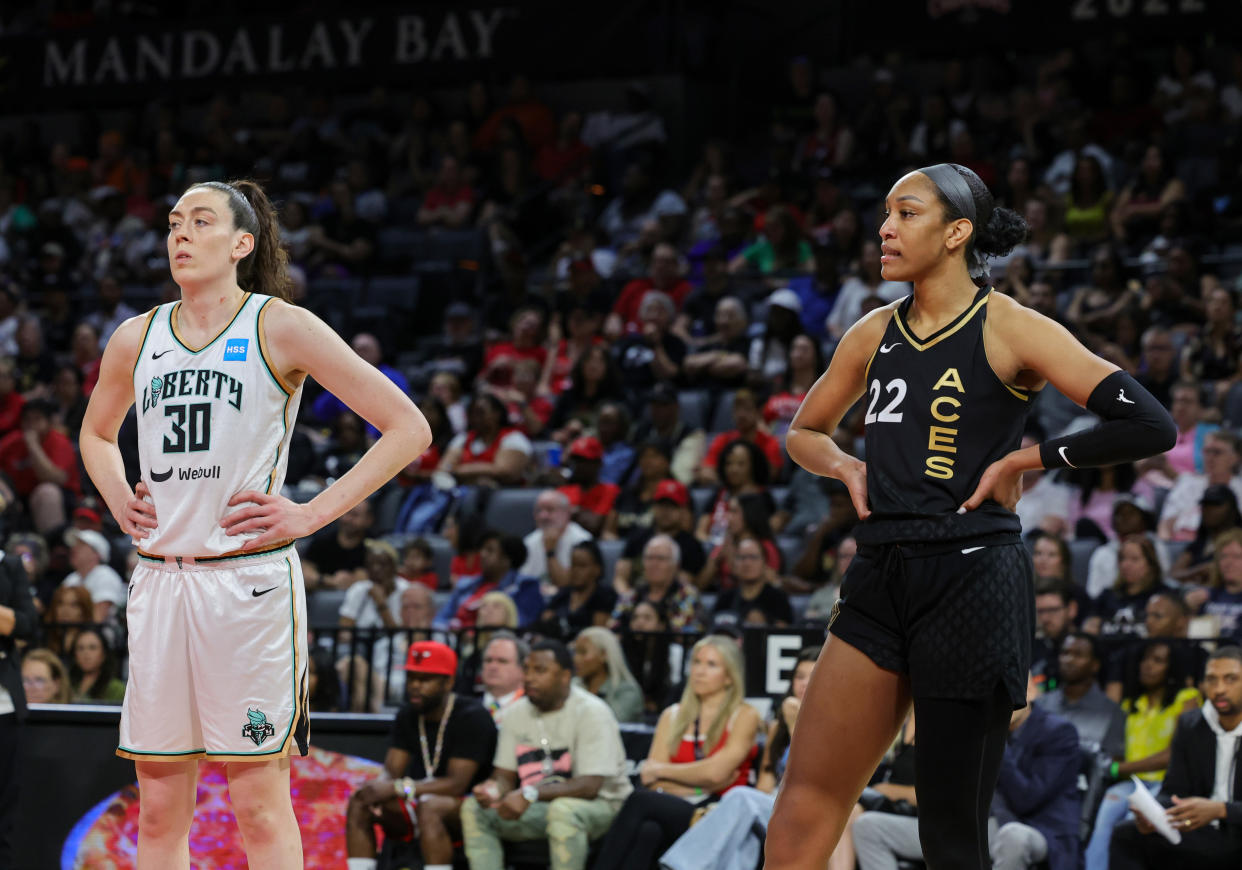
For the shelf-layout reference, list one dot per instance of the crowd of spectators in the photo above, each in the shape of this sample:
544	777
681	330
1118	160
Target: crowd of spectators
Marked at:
610	353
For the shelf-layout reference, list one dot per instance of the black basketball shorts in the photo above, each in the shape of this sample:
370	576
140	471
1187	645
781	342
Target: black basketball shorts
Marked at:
958	617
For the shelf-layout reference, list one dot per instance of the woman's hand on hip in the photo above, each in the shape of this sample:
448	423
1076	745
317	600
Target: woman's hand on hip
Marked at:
1001	482
854	476
278	518
138	516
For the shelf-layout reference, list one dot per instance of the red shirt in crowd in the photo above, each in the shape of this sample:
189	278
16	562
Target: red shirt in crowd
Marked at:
599	499
15	461
770	445
686	754
10	411
557	162
429	579
781	407
438	197
508	352
464	565
562	367
631	299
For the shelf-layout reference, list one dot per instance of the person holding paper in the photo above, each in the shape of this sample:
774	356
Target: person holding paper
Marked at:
1202	787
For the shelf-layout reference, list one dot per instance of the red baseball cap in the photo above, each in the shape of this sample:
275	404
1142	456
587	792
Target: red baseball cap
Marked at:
431	657
88	516
672	490
587	447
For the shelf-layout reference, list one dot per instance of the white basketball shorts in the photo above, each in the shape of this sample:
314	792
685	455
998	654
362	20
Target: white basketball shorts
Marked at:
217	659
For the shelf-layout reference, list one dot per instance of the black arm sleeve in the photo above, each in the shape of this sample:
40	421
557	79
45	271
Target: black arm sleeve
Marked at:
1135	426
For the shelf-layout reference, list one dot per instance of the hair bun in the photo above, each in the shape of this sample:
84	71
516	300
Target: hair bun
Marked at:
1006	229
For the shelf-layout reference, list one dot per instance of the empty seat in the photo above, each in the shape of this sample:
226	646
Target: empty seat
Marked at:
692	408
722	416
323	607
511	511
611	551
702	497
791	547
393	291
1080	558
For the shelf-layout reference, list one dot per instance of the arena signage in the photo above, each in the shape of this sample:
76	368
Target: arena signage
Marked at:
324	45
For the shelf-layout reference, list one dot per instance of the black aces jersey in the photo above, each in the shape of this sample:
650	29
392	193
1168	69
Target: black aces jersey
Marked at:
937	416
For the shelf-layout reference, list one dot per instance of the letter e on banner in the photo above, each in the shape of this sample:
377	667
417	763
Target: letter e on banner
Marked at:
775	682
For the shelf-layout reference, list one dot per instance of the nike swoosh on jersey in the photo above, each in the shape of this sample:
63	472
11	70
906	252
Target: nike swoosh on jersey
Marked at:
1061	450
161	476
970	550
884	349
256	593
161	353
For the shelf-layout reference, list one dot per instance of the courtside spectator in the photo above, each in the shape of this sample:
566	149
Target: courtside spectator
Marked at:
1201	786
441	745
503	662
600	668
559	770
703	745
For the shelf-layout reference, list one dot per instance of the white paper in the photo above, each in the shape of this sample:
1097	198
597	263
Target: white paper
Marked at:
1143	803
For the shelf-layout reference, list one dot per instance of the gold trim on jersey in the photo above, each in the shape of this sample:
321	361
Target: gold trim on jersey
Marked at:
211	560
172	323
203	755
870	360
267	359
949	330
145	332
1016	391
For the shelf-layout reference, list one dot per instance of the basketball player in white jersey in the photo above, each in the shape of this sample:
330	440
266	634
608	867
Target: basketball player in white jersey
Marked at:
217	610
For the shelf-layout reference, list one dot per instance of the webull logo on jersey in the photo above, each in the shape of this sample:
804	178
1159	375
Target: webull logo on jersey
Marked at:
235	349
211	472
189	383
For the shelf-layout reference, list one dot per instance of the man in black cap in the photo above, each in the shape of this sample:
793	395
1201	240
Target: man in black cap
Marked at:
663	422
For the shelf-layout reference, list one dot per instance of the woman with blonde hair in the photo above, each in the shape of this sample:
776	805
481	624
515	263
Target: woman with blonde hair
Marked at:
703	746
44	678
1223	596
600	668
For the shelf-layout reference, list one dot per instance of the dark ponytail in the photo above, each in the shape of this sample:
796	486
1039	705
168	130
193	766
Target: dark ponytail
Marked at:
998	230
264	270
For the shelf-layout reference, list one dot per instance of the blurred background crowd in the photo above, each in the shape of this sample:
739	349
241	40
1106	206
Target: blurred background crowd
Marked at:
610	332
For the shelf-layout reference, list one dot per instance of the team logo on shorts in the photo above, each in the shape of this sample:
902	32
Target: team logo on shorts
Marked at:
259	728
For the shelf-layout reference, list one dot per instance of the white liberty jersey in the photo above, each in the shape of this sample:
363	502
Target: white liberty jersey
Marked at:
211	422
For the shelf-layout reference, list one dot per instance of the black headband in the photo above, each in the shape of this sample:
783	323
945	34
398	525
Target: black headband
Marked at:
950	182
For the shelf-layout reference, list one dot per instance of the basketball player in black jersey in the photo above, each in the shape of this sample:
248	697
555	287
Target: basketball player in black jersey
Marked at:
937	607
